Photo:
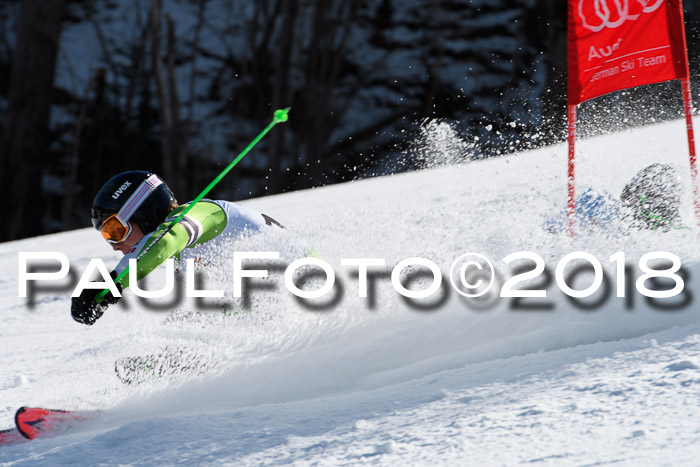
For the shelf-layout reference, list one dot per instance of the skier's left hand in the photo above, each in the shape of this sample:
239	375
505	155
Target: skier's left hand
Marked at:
86	310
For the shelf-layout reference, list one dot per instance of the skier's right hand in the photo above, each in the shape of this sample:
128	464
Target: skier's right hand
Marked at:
86	310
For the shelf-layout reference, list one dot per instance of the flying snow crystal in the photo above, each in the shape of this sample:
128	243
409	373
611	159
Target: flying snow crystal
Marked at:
440	144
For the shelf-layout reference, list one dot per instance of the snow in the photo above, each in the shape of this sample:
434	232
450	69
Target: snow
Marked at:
375	381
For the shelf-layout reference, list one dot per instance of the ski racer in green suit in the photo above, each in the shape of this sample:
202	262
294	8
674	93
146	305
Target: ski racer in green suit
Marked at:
134	206
650	201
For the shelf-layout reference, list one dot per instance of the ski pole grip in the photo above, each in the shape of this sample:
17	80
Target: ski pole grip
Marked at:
281	115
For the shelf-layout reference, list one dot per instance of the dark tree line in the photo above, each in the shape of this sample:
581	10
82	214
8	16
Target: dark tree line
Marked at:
189	82
25	129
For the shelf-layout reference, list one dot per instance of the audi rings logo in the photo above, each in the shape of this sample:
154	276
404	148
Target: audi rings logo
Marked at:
599	14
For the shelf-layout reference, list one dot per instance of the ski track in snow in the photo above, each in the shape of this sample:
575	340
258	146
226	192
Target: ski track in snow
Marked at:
380	383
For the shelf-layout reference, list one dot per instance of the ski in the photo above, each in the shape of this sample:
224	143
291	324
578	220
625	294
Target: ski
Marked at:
36	422
11	436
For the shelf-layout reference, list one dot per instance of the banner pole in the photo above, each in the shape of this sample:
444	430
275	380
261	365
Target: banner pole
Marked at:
688	109
688	106
571	205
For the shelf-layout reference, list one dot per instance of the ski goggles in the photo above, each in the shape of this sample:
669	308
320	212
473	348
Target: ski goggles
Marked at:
117	228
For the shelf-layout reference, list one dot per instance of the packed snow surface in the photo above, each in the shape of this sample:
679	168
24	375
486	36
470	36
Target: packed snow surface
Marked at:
378	380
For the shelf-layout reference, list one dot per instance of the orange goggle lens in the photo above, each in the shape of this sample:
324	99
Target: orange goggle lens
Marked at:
114	230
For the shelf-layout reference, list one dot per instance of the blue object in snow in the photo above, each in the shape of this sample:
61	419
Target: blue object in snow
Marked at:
594	210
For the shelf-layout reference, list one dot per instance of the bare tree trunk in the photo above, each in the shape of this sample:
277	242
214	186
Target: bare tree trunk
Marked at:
178	137
328	42
553	13
136	70
166	121
73	161
25	132
433	56
193	62
281	93
313	90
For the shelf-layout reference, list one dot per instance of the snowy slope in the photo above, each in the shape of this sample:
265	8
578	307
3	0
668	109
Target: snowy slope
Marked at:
376	381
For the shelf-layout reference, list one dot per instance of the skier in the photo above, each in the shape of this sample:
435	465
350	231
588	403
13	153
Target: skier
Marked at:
651	200
134	206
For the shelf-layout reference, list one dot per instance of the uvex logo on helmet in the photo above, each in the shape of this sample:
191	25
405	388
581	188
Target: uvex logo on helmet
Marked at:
120	190
596	15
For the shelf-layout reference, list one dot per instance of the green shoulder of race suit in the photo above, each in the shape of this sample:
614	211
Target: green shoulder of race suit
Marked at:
207	221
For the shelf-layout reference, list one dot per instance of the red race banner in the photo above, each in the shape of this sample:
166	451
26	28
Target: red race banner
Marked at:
619	44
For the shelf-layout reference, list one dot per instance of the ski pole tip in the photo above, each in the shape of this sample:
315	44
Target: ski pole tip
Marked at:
281	115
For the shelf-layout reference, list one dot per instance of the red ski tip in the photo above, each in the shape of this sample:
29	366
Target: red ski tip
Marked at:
31	422
34	422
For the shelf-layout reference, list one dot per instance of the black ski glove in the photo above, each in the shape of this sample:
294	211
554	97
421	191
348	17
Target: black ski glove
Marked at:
85	310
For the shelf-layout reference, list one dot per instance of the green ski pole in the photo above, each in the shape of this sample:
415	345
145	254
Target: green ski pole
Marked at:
279	117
